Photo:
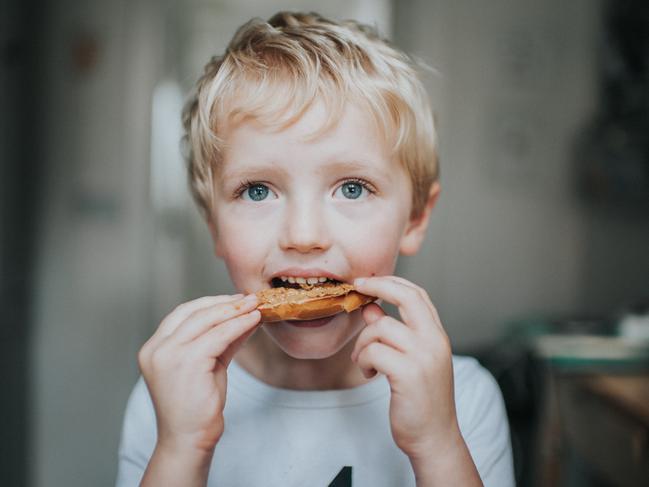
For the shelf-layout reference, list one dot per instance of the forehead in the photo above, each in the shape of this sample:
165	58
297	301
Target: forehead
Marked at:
353	139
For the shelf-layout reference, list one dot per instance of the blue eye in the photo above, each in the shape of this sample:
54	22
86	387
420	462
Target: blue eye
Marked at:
352	191
256	192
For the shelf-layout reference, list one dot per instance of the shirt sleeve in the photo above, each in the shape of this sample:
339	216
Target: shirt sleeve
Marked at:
138	437
483	423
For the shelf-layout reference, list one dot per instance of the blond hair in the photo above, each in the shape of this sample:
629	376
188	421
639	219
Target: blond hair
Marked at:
274	71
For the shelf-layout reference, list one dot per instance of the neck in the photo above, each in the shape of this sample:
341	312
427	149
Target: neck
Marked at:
262	358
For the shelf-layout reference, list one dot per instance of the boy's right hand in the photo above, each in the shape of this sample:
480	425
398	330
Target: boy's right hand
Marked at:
184	366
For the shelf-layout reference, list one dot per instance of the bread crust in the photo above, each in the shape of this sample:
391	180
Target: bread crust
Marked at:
278	304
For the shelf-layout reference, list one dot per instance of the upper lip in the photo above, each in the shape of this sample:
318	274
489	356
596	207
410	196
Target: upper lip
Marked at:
311	272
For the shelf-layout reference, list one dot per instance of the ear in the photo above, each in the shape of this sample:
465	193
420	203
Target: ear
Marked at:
218	250
415	232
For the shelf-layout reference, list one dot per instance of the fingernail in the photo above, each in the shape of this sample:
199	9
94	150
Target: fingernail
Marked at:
251	298
359	281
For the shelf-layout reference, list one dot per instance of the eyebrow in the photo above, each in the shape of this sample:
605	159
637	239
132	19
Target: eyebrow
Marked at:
354	165
252	172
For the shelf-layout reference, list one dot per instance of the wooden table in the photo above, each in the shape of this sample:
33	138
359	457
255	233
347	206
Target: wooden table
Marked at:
604	419
629	393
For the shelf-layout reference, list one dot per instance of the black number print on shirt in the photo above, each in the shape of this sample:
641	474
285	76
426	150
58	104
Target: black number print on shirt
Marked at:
343	479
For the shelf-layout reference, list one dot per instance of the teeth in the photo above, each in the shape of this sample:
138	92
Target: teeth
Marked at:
303	280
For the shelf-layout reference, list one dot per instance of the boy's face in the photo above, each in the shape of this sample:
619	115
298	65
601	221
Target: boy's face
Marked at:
337	206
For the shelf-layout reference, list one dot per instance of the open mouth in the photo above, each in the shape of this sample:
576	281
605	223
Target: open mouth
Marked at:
302	282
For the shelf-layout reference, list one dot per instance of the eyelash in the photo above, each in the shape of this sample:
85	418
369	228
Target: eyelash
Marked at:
246	184
366	185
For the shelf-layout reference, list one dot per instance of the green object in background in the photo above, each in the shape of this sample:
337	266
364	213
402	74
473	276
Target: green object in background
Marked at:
592	351
524	331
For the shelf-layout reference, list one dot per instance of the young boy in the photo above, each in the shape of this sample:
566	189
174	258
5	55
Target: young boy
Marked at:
312	155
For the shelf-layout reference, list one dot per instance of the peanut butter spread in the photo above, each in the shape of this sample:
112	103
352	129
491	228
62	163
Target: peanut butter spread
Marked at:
279	295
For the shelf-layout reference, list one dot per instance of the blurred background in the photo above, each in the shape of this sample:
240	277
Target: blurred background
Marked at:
537	254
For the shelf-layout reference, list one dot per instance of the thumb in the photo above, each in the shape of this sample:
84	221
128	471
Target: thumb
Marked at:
372	312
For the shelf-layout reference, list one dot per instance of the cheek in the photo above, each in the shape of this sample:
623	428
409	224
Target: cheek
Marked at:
375	260
243	246
372	242
241	229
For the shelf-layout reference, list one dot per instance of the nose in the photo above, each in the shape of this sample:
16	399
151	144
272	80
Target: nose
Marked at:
304	228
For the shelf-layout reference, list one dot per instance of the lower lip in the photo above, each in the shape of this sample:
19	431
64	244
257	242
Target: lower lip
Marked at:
310	323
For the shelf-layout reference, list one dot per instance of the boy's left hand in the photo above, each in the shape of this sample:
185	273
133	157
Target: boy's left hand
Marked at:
415	356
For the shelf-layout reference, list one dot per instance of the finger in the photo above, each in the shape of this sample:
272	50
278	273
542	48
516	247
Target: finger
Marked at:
388	331
382	358
170	354
231	351
216	342
175	318
182	311
413	306
202	320
422	292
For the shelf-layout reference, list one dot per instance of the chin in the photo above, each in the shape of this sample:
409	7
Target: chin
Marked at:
308	353
315	343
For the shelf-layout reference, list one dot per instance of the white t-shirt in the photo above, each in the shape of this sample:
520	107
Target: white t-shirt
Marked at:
341	438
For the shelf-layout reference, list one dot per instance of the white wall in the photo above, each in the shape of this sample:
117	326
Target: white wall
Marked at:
516	83
93	271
